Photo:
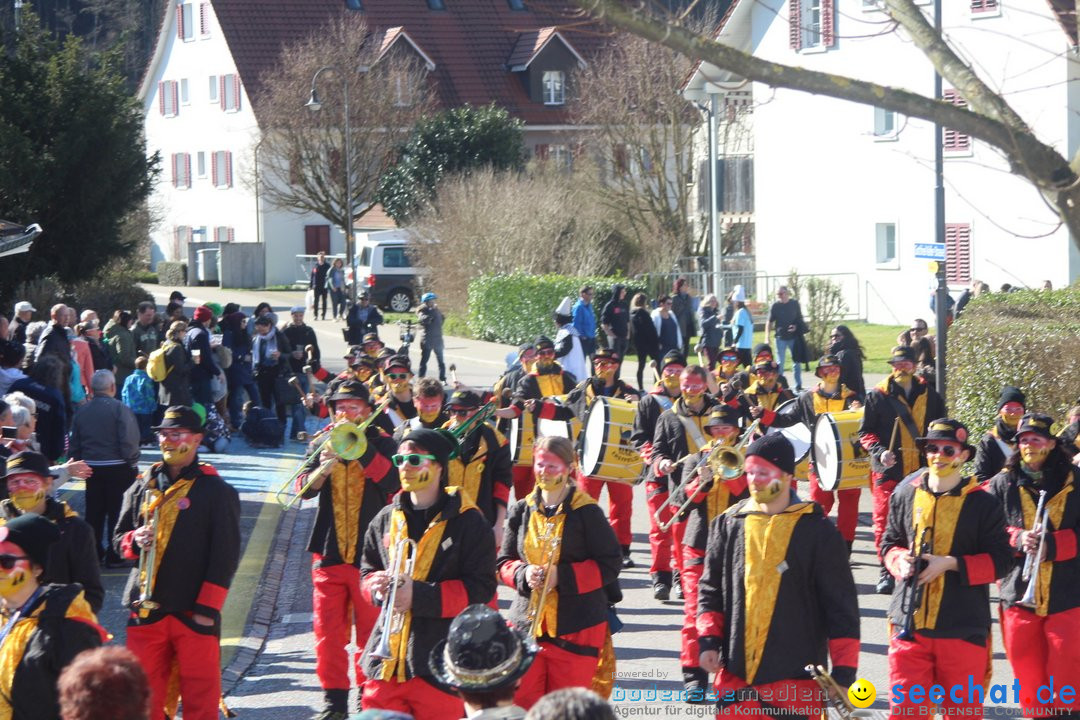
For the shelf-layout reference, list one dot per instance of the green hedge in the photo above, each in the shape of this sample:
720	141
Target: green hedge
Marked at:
1028	338
515	308
172	273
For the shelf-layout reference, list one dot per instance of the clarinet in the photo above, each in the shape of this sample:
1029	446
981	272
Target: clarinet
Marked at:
912	592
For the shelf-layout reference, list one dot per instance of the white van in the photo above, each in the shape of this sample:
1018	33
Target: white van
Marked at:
386	270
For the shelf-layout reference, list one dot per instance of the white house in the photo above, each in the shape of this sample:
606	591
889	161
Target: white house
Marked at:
845	189
198	89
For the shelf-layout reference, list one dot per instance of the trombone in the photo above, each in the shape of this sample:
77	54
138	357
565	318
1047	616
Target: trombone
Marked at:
401	563
1030	573
481	416
534	613
836	695
348	441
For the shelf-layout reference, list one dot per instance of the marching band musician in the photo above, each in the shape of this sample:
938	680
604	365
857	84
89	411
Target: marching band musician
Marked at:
360	367
679	432
709	496
429	401
482	466
182	521
945	542
1069	437
999	442
763	353
604	383
546	379
452	566
557	539
503	389
829	396
1041	631
724	380
351	493
397	375
897	411
766	391
775	592
657	401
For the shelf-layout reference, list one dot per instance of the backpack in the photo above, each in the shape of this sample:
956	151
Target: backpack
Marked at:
156	366
223	355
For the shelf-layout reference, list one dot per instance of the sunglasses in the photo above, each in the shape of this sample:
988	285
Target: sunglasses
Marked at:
729	359
946	450
918	329
7	561
412	459
459	411
546	353
398	376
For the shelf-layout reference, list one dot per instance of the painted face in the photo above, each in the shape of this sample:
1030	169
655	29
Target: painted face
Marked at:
528	360
362	373
829	374
178	446
549	469
1034	448
728	365
428	407
944	457
605	369
352	409
459	414
14	579
417	477
766	481
723	434
545	358
692	387
902	370
398	378
670	379
373	348
766	378
27	491
1010	413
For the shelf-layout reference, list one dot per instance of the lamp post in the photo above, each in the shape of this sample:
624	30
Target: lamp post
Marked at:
314	105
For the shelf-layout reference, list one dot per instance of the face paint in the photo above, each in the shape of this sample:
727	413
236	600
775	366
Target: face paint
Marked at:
26	500
903	371
727	368
428	416
550	481
671	384
604	371
1011	413
765	480
550	471
692	389
941	465
177	454
414	479
13	582
1033	455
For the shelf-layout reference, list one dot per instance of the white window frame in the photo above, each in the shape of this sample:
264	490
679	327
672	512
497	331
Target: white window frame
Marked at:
553	85
171	98
214	89
881	133
560	156
200	165
229	84
812	40
188	11
403	90
222	171
980	14
185	92
881	232
181	171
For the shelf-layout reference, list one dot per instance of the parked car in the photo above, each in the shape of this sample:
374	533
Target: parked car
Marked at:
386	271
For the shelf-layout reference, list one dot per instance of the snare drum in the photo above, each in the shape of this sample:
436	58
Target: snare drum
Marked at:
521	437
841	461
800	438
606	451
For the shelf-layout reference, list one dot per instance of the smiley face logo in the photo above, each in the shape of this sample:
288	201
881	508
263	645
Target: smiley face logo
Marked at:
862	693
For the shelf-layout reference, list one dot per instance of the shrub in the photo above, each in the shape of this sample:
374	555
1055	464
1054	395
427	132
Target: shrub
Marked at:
42	293
823	306
1028	338
518	307
108	292
172	273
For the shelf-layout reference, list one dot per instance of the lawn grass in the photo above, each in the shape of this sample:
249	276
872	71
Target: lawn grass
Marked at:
878	342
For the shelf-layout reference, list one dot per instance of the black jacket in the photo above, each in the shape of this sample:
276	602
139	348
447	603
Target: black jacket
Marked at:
616	314
203	550
317	281
175	389
63	627
358	329
1069	439
649	409
956	604
875	433
198	338
462	572
300	336
646	340
72	560
487	452
672	440
990	458
54	340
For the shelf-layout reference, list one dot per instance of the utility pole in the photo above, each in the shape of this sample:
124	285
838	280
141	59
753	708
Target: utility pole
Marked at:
941	299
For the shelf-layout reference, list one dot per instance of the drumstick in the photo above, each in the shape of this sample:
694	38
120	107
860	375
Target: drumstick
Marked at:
453	373
895	429
655	372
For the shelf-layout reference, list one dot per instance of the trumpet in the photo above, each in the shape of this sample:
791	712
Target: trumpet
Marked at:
1030	573
348	440
148	562
402	561
534	613
836	695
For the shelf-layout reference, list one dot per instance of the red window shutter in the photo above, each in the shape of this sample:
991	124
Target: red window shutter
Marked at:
954	140
161	97
828	23
958	253
983	5
221	91
236	92
187	169
323	239
175	97
180	21
795	24
204	19
213	169
174	172
542	151
228	169
231	235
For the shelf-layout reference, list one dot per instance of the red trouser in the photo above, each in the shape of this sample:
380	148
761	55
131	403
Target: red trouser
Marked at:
947	662
620	504
554	669
198	656
881	492
847	513
678	532
523	481
692	567
659	542
415	696
338	606
1040	648
797	697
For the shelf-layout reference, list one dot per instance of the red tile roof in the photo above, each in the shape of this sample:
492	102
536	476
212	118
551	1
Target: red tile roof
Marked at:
471	43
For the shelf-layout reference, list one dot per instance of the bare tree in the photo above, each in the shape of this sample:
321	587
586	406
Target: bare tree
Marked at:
643	142
302	156
988	117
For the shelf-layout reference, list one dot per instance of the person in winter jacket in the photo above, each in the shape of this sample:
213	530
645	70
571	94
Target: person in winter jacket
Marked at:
121	344
646	340
615	321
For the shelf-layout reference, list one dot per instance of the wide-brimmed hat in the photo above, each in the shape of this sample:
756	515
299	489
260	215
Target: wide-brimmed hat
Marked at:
826	361
28	462
902	353
180	417
481	652
945	429
722	415
464	398
1035	423
350	390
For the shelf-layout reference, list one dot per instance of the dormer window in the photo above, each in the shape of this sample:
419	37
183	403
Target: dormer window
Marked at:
554	84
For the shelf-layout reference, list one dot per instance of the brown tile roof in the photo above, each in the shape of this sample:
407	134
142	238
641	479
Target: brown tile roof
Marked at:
1066	15
374	218
470	43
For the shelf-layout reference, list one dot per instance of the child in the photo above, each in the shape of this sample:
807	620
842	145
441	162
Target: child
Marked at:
139	395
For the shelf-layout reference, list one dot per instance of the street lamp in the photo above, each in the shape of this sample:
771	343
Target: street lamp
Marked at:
315	105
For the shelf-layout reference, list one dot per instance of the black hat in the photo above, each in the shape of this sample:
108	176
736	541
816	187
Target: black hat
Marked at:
371	337
399	361
1011	394
1036	423
481	653
945	429
901	353
229	309
524	348
776	449
766	366
350	389
177	296
673	357
26	462
353	351
762	348
33	533
440	443
606	354
182	417
543	342
722	415
826	361
464	398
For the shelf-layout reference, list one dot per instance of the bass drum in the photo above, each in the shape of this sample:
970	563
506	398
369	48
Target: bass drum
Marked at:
569	429
800	438
606	452
841	461
521	437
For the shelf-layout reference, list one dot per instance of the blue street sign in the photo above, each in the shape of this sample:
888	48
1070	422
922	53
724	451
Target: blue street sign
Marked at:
930	251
